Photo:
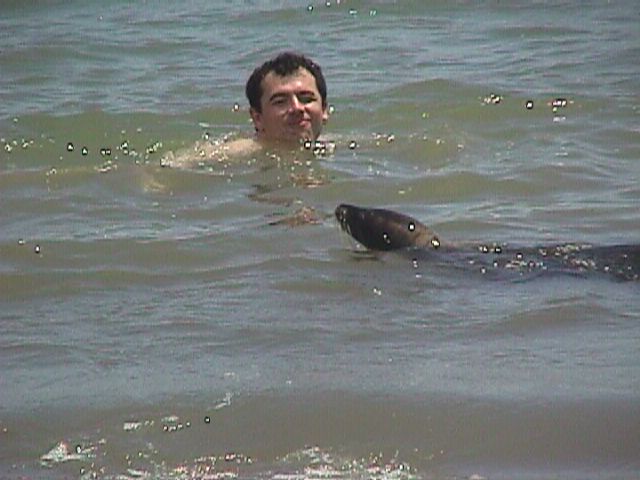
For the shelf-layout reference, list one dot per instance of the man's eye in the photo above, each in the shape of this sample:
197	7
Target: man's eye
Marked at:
306	98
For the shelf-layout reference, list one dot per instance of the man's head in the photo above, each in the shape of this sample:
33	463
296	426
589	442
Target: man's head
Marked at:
288	99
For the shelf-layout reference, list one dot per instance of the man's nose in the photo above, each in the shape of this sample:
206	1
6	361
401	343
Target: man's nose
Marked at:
296	104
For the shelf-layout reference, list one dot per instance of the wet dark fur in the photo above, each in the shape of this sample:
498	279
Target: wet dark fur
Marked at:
385	230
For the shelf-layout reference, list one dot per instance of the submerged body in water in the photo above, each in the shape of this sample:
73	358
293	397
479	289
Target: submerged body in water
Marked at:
384	230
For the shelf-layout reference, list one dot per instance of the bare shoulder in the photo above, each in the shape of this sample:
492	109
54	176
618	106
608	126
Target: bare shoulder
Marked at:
241	147
204	152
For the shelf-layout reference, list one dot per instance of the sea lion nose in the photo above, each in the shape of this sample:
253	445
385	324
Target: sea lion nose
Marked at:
341	213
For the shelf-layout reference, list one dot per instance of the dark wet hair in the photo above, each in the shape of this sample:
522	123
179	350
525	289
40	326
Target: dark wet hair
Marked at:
284	64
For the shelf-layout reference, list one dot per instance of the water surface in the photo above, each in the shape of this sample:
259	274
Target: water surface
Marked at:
164	323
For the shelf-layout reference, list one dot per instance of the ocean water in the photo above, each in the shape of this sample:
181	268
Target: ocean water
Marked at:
174	323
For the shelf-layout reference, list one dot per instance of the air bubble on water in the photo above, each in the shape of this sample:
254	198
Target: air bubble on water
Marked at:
559	103
70	147
353	145
331	109
85	151
529	104
492	99
377	291
319	148
153	148
131	426
224	402
309	8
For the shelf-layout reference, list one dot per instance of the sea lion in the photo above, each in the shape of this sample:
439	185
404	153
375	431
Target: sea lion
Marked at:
385	230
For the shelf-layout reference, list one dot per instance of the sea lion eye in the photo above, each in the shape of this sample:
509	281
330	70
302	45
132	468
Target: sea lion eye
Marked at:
412	226
435	242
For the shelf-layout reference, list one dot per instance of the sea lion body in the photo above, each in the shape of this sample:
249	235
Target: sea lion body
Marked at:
386	230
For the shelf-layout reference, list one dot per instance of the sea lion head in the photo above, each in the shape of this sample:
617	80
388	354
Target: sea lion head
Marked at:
380	229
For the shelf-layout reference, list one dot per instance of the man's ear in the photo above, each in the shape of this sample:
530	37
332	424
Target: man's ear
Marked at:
256	117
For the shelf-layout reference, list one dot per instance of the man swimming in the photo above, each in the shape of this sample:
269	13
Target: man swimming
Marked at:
288	100
288	107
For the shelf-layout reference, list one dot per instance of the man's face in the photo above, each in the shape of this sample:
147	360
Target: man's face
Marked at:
292	109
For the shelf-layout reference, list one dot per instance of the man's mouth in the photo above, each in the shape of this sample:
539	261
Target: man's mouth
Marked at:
301	122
